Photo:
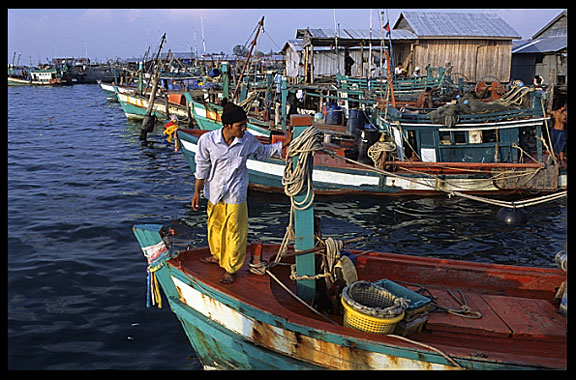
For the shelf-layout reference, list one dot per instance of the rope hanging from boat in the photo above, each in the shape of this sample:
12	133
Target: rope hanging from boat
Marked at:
156	255
153	290
297	176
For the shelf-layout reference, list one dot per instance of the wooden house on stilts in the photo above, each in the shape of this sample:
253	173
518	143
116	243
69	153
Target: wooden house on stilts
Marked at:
545	55
476	45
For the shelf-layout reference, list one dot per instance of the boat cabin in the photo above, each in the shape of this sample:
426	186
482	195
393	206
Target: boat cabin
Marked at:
47	75
498	137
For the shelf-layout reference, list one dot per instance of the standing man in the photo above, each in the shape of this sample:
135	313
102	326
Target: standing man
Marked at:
348	62
221	171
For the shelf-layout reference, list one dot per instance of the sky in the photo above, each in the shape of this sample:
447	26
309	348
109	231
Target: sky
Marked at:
103	34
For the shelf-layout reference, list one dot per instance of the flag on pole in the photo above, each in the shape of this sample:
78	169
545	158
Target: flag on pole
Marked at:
387	29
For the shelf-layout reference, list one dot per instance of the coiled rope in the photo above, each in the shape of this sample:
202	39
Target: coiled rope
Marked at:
297	176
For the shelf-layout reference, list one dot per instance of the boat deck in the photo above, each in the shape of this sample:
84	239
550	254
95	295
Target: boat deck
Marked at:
520	325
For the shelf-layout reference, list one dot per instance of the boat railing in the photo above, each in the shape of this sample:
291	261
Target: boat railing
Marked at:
400	85
395	115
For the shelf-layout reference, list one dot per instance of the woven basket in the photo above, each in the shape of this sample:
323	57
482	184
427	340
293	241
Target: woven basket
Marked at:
370	308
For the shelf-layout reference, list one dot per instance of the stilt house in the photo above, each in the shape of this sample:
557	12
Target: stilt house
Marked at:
545	54
477	45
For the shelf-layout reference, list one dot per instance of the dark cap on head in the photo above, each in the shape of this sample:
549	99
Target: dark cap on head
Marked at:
232	113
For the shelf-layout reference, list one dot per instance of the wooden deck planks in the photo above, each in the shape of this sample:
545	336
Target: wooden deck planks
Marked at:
489	325
529	318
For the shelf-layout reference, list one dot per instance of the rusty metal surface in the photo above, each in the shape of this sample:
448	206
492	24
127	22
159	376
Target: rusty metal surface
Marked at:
254	311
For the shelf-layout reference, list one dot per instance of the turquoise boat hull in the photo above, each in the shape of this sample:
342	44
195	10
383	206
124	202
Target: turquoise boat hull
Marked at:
209	117
134	107
247	325
208	337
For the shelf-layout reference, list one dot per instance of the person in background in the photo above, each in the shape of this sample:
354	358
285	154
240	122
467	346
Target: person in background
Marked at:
424	100
222	173
558	132
538	82
348	62
278	98
300	76
399	71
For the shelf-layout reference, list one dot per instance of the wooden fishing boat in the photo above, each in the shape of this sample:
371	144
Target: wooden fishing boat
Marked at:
53	76
170	103
110	89
208	116
436	77
334	175
491	152
494	316
256	324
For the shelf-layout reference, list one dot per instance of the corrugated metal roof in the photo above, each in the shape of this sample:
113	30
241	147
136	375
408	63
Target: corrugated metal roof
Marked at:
454	24
543	45
297	45
545	27
354	34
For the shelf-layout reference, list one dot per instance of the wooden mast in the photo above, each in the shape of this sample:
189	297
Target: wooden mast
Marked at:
239	81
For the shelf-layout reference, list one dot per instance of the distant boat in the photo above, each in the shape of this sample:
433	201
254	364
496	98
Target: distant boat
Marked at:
94	73
53	76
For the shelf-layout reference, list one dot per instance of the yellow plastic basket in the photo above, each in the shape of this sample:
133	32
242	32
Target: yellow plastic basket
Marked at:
368	323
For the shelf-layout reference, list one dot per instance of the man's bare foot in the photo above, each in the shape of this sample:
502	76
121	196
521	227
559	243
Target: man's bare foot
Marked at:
228	278
209	260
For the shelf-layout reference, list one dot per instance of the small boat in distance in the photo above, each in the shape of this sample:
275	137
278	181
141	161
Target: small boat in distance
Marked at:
51	76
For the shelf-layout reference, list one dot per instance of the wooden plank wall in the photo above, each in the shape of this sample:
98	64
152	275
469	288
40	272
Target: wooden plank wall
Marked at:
476	59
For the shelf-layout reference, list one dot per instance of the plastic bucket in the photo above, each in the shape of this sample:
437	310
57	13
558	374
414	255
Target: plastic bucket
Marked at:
356	120
334	115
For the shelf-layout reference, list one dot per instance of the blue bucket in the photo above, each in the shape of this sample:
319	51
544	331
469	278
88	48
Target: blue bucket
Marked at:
334	115
356	121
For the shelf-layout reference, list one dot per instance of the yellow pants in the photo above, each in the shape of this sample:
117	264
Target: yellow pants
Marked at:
228	234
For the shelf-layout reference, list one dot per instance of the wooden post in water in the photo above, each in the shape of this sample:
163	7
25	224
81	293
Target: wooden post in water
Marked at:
148	121
304	225
284	97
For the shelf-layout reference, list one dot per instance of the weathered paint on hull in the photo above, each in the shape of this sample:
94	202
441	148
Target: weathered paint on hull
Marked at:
229	328
135	108
208	337
226	335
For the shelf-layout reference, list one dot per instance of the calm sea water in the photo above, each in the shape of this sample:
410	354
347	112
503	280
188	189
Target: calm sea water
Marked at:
78	179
